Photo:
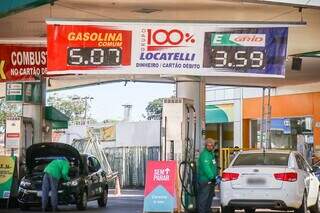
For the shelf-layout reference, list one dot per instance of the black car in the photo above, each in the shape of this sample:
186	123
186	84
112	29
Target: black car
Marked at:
88	181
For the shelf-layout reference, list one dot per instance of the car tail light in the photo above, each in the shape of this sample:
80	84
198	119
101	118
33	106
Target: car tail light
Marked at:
287	176
228	176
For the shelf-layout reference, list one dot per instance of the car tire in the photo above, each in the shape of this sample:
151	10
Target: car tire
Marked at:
249	210
82	201
227	209
23	207
304	207
316	207
103	200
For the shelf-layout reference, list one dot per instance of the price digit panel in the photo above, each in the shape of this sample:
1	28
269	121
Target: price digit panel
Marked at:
86	56
238	58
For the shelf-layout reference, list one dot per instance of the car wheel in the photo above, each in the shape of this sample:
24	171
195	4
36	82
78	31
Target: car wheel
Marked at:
249	210
316	207
23	207
304	207
227	209
102	201
82	201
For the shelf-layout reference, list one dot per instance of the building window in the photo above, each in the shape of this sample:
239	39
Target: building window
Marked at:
286	133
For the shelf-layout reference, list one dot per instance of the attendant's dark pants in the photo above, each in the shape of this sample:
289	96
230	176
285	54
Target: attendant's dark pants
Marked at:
205	196
49	183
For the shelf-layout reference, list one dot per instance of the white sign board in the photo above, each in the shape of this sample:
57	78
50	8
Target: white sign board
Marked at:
13	132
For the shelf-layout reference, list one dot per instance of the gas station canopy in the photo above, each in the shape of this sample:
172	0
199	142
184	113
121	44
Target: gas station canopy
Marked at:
29	26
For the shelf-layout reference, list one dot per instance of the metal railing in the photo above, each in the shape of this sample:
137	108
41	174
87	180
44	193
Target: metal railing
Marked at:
92	146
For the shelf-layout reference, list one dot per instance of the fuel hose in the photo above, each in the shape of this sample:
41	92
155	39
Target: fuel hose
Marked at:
187	176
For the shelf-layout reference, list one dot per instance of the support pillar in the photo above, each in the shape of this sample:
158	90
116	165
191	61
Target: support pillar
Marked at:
37	114
195	90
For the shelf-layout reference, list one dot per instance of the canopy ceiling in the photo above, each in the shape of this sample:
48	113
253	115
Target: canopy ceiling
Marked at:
29	26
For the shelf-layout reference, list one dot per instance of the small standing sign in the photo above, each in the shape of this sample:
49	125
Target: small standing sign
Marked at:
7	168
159	195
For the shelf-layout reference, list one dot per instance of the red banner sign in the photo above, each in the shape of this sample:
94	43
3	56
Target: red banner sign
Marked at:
159	193
22	63
72	47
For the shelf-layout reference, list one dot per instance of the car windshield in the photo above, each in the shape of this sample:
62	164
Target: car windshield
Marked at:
268	159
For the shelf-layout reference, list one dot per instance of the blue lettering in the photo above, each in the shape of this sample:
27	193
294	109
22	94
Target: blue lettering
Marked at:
142	56
176	56
156	56
163	56
149	56
170	56
167	56
193	56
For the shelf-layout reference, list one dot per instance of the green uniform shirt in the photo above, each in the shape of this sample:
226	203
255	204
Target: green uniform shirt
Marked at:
58	169
207	166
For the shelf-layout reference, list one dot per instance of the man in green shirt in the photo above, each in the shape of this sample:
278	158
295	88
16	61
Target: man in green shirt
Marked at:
206	176
53	172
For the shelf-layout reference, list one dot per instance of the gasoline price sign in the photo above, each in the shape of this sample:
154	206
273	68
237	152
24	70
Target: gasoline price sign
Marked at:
87	56
238	58
245	50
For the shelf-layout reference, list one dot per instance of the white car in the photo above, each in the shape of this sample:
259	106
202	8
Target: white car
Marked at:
279	180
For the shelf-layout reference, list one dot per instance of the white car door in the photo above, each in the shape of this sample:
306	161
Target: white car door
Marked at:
303	179
313	184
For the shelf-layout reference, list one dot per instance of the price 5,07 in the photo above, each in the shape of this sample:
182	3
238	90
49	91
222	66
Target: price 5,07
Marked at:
87	56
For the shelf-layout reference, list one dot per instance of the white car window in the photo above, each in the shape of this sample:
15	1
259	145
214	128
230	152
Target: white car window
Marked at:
299	162
252	159
302	164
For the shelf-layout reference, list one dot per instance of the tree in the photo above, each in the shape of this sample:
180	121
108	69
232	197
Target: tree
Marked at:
154	109
75	107
8	110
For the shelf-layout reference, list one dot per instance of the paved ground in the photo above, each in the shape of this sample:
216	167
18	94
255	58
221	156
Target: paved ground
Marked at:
131	201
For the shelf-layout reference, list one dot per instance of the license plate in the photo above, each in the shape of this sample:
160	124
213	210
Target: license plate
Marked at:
256	181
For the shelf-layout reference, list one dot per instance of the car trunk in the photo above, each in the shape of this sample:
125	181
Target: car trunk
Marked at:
257	177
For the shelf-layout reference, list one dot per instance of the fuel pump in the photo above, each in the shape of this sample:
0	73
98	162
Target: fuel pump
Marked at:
19	136
179	144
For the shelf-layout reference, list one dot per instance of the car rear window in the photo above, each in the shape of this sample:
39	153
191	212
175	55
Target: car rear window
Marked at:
271	159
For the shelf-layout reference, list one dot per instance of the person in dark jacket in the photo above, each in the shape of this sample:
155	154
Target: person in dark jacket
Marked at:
53	172
206	176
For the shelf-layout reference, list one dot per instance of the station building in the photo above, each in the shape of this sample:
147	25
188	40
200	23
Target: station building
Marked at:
233	116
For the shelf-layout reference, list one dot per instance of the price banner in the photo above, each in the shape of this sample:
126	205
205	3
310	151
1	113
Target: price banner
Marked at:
260	50
88	47
22	63
198	49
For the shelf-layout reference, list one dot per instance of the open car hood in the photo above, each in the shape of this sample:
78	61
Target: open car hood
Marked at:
47	150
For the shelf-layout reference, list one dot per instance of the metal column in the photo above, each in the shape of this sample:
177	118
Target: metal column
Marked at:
265	125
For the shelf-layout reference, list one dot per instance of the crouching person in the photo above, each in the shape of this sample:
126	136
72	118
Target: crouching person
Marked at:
54	171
